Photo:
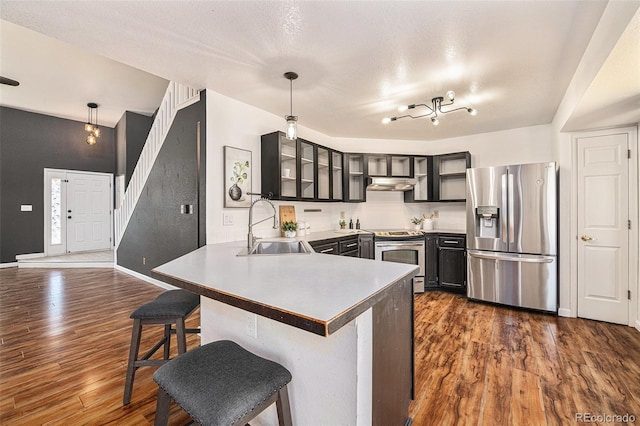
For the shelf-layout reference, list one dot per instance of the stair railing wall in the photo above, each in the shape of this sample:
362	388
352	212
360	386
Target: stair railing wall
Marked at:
176	97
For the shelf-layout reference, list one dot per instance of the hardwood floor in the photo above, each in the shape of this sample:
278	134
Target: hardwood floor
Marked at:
64	343
64	339
484	364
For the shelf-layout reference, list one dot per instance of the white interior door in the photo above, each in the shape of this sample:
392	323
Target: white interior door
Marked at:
603	234
78	209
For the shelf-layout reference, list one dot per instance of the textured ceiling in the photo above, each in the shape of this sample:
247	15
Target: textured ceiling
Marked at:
357	60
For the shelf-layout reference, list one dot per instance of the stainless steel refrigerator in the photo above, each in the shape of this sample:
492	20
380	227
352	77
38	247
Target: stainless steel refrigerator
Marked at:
512	235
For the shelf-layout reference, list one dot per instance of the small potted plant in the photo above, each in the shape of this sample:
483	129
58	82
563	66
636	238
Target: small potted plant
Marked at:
289	228
417	221
428	221
342	223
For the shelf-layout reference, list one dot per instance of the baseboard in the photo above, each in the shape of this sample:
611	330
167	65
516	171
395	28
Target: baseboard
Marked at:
564	312
8	265
638	325
146	278
29	256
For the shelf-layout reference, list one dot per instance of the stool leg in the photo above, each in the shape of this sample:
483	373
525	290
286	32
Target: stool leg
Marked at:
162	408
283	408
181	336
133	356
167	342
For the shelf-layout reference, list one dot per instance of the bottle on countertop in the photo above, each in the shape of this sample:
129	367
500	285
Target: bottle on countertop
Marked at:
358	223
350	223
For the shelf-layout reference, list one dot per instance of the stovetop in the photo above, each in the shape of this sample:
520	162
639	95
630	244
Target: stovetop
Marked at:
397	234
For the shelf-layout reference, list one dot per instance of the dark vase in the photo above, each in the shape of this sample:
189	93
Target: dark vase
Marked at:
235	192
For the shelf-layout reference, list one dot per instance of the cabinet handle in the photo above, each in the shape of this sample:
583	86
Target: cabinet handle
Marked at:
352	244
450	242
329	250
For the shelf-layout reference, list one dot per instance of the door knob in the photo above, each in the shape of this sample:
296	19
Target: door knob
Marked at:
586	238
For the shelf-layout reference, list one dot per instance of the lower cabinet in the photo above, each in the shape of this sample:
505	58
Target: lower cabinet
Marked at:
431	261
367	248
325	246
446	262
354	246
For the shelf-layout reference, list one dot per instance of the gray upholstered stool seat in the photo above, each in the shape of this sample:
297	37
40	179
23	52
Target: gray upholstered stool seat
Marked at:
170	307
221	383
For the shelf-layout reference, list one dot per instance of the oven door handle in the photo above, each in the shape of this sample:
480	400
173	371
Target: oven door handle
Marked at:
399	244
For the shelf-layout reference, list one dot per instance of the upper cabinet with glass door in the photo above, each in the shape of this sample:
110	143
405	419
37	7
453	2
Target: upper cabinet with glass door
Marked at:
280	166
308	169
337	177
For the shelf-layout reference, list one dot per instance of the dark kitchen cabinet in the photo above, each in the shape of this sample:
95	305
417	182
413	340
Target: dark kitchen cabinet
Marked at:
386	165
423	173
300	170
431	261
325	246
349	247
355	172
367	248
308	167
279	160
452	262
450	176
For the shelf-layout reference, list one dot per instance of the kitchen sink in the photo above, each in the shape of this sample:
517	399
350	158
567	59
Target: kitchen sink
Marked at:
278	247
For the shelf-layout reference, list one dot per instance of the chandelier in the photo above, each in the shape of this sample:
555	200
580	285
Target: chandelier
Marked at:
433	110
92	126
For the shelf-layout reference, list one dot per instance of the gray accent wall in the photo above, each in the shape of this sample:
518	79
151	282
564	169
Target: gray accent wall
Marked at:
158	231
131	134
29	143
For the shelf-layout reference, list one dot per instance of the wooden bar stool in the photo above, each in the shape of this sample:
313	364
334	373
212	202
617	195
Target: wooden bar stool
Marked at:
171	307
221	383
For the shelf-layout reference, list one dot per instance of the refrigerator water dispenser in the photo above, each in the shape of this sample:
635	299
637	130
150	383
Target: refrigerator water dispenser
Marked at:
487	222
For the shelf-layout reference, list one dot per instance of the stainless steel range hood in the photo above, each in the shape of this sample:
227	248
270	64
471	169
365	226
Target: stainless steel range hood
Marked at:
390	184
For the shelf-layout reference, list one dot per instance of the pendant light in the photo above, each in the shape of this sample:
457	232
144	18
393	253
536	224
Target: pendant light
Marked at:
90	126
292	120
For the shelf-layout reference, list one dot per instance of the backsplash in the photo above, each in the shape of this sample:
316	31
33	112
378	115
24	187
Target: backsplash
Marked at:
387	210
383	210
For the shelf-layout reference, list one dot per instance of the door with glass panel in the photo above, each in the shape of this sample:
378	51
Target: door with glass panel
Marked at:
77	211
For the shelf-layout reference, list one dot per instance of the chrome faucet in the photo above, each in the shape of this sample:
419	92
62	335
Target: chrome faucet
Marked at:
250	238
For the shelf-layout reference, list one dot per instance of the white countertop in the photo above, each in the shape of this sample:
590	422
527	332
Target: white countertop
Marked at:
315	292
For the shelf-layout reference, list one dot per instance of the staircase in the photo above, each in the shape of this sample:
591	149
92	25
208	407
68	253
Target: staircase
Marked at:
176	97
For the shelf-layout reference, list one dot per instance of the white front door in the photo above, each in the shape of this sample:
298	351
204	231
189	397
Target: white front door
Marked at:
603	234
77	211
88	212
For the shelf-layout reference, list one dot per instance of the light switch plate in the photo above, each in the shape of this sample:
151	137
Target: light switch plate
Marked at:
26	208
227	219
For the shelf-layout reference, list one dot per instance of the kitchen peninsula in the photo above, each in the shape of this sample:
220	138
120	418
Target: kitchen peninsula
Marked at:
343	326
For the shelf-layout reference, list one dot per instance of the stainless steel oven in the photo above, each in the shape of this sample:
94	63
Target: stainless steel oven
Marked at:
403	247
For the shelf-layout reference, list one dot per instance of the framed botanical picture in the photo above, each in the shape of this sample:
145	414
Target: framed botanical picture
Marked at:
237	177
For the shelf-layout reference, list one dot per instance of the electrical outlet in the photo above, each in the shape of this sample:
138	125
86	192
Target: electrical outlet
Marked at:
227	219
251	321
436	214
144	260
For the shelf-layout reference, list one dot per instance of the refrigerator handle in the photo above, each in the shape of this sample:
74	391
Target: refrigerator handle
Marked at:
511	258
503	207
510	207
